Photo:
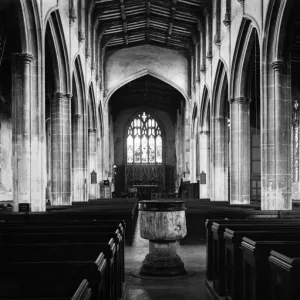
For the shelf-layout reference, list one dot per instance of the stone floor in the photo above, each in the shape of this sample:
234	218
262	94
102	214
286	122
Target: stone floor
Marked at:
191	288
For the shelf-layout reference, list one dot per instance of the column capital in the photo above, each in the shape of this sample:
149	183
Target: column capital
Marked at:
240	100
69	96
58	95
206	132
26	57
278	65
76	116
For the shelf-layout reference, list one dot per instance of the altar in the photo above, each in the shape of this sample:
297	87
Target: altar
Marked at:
145	190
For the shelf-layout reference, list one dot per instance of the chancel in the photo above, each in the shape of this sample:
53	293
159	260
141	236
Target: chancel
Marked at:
149	149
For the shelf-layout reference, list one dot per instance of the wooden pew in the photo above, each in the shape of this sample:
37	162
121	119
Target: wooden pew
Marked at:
55	280
233	256
285	274
76	216
256	272
209	236
110	249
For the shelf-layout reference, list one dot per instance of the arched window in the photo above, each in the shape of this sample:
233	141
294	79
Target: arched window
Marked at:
144	141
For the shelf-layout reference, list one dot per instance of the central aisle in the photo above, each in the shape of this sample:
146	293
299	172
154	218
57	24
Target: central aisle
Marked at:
191	288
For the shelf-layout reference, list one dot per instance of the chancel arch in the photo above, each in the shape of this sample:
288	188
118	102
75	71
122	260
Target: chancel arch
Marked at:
162	104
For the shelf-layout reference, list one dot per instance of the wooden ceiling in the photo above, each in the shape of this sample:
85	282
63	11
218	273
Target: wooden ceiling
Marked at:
166	23
146	91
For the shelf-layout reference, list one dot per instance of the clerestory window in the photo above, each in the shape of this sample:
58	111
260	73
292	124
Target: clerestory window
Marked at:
144	140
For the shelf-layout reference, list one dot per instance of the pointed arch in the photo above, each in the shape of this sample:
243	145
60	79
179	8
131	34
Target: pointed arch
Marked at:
141	74
220	88
276	27
246	42
204	109
55	37
80	104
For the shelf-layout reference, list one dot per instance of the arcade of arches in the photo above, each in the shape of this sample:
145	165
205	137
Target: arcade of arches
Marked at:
163	90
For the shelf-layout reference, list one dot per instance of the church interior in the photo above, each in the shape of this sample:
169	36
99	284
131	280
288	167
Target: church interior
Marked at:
149	149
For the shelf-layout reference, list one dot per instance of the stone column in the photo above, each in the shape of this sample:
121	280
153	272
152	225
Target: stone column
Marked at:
92	137
240	151
277	175
78	158
219	187
21	115
61	149
204	148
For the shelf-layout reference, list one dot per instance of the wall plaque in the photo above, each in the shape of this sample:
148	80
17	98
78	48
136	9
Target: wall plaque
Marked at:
93	177
202	177
24	207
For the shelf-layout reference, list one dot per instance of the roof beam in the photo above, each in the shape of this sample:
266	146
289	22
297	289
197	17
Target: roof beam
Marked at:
170	30
124	23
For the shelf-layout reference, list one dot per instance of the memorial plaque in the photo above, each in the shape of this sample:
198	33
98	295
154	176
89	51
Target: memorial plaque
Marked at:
93	177
202	177
106	182
24	207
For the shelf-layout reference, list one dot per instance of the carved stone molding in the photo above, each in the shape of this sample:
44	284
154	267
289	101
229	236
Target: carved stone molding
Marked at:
72	16
217	40
88	52
206	132
242	2
202	68
240	100
26	57
76	116
227	20
278	65
81	37
209	55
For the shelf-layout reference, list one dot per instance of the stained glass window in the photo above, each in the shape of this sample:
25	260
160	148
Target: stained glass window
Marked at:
144	141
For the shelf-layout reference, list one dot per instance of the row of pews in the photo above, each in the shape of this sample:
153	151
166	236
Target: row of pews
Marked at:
64	254
254	259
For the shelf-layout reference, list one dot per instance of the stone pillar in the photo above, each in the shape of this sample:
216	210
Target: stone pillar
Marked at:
61	149
277	175
78	158
21	115
92	138
240	151
204	148
219	187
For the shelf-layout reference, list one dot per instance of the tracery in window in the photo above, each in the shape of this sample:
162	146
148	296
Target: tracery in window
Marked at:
144	141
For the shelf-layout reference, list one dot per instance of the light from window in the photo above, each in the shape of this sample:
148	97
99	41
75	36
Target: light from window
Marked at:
144	141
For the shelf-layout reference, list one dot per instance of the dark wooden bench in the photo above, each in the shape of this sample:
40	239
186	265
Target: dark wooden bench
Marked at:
52	280
110	248
219	245
209	236
233	256
285	274
75	216
256	272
